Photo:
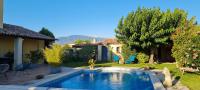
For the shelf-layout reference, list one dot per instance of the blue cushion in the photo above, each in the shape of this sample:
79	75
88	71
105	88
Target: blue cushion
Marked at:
116	58
131	59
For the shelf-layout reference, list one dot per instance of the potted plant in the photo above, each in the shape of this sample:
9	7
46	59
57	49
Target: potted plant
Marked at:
91	63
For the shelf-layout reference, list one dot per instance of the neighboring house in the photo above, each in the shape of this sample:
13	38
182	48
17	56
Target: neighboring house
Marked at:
113	45
19	40
104	49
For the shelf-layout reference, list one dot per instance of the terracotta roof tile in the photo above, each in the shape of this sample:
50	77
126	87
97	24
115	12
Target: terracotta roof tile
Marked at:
110	41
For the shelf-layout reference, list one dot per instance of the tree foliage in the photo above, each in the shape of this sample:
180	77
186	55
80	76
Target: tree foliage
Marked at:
79	41
46	32
142	57
53	55
68	54
148	28
87	52
186	45
127	52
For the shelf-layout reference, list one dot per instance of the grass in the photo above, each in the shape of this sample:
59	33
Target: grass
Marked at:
189	79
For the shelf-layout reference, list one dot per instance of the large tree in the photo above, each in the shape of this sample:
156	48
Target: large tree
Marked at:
46	32
148	28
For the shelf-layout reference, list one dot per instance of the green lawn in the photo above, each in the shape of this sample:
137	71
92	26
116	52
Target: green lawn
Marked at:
191	80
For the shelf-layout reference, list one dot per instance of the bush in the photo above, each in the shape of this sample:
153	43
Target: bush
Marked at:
82	41
36	57
186	48
91	63
9	55
142	57
57	54
83	54
68	54
126	52
53	55
87	52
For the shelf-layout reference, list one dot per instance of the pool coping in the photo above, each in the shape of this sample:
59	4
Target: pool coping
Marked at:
155	81
157	85
58	76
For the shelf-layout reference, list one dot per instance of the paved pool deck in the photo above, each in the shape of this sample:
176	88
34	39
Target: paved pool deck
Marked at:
32	84
21	77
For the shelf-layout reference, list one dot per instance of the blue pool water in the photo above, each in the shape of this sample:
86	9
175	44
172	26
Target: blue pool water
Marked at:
104	81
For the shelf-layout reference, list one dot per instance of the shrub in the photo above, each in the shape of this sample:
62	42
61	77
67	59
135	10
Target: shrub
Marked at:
53	54
9	55
126	52
68	54
82	41
142	57
186	48
91	63
87	52
35	57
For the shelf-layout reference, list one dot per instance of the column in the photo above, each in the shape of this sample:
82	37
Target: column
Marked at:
18	42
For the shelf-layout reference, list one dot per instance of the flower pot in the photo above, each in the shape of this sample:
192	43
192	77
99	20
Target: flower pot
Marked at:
54	70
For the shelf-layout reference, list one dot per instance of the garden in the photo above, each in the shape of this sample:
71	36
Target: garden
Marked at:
141	33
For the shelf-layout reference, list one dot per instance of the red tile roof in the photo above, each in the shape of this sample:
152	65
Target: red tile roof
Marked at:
110	41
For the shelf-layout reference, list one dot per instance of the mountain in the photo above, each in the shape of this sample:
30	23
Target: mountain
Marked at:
72	38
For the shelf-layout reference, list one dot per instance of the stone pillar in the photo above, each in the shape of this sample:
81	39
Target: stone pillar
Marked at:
18	42
99	52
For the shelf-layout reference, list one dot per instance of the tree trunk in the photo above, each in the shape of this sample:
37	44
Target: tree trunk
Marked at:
151	59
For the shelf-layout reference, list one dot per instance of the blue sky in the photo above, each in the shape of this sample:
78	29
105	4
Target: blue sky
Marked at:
83	17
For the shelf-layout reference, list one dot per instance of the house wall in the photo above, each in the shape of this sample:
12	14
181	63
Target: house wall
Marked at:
32	45
7	45
113	50
113	47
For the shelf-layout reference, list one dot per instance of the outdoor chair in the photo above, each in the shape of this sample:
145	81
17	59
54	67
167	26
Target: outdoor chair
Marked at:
130	59
4	69
116	58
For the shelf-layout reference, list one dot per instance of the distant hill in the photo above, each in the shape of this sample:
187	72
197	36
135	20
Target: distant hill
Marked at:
72	38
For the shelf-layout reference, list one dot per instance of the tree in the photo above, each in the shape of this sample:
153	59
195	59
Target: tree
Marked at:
82	41
186	45
46	32
148	28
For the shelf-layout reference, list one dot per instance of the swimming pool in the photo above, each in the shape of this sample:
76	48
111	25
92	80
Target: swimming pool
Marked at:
104	80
